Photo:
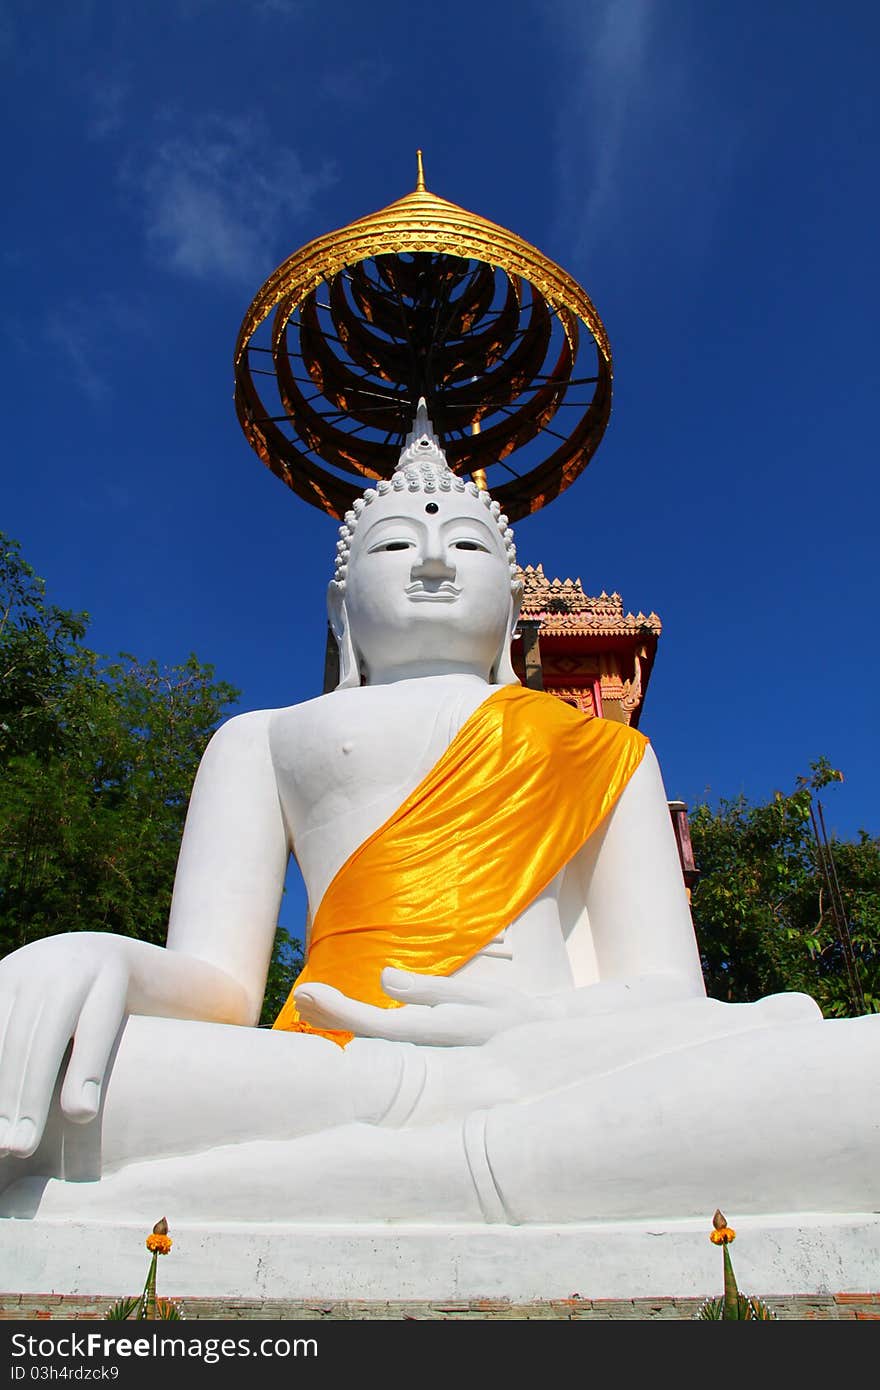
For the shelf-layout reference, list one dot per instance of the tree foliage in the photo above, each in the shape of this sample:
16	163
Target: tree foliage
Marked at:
764	909
97	762
285	965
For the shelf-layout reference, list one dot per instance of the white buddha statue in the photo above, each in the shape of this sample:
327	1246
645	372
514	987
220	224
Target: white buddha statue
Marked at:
502	1016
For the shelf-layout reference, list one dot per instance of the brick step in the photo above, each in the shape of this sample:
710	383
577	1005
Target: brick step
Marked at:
21	1307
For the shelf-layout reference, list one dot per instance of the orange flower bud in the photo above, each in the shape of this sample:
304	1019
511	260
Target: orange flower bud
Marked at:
723	1235
159	1244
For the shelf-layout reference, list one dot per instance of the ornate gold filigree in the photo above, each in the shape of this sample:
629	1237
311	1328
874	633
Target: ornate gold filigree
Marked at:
419	222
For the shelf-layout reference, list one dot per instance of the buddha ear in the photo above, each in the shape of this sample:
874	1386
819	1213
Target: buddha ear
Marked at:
349	670
502	672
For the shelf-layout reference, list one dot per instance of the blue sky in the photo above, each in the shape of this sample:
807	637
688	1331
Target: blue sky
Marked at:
708	172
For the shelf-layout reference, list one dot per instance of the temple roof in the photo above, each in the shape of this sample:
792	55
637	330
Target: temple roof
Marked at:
562	608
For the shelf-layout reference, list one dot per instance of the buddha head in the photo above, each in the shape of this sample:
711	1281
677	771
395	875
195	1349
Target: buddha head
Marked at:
426	580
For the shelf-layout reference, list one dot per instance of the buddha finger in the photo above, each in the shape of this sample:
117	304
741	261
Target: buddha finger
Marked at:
34	1045
452	1025
414	1024
96	1032
325	1007
322	1006
412	988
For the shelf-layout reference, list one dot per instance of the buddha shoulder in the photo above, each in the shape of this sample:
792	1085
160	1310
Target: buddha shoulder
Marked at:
348	732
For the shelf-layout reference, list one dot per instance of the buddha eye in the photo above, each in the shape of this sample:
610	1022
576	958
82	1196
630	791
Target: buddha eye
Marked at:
394	545
469	545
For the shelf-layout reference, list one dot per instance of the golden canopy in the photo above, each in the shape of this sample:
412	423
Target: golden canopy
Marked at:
422	298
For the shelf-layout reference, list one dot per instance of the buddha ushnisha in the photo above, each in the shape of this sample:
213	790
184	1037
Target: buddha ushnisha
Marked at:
501	1016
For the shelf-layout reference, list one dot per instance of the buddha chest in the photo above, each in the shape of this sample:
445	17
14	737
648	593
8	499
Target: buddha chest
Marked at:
361	752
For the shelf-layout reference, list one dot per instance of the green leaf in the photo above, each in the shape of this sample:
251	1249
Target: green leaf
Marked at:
122	1309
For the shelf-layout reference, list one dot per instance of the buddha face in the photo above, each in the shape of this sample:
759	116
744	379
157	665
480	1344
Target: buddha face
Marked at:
428	589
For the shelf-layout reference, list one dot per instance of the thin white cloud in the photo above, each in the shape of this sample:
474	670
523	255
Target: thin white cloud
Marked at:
70	332
80	335
356	83
107	102
194	9
646	144
607	42
216	200
262	9
7	36
620	56
281	9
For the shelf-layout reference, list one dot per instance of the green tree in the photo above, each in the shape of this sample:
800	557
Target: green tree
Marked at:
97	761
765	909
285	965
42	663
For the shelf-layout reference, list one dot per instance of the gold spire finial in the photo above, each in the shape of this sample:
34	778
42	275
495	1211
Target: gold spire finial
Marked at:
420	173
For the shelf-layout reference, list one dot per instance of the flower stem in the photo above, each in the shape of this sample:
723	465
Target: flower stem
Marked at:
731	1292
147	1304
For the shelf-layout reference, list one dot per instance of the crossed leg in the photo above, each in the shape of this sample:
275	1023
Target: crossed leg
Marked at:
565	1121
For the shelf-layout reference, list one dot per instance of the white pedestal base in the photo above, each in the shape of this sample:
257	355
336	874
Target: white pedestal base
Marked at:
774	1255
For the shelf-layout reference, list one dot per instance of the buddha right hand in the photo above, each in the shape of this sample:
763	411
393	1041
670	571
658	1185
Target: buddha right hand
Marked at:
70	986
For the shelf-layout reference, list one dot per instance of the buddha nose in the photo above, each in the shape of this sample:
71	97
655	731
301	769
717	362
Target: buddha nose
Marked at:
434	561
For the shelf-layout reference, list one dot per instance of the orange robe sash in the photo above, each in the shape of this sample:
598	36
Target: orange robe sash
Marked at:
517	792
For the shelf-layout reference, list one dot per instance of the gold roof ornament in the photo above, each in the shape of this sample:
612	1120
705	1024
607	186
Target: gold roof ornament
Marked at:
423	299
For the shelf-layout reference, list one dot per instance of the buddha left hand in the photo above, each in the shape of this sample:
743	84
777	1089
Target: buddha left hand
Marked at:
440	1011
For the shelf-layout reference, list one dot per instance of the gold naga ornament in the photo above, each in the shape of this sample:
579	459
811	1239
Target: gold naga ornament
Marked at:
422	299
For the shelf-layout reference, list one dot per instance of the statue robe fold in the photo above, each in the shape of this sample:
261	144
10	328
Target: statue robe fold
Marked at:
517	792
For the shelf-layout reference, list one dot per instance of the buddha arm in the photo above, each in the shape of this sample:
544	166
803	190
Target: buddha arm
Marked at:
628	877
80	985
227	891
233	859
